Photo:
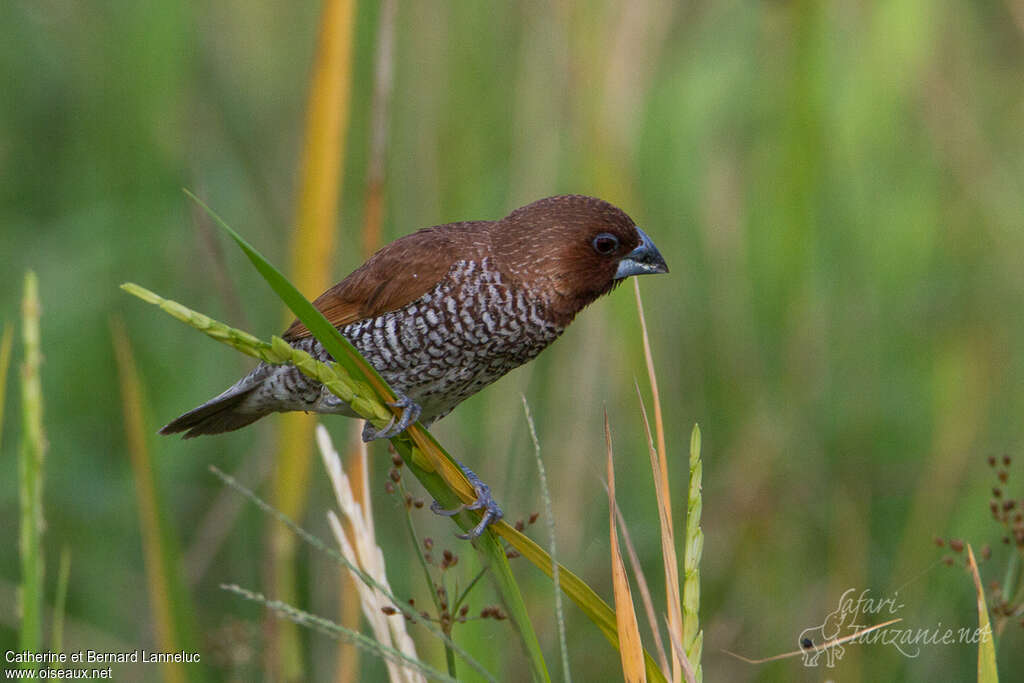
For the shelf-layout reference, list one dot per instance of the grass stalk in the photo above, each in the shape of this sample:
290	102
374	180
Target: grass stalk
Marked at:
327	627
550	519
330	552
30	469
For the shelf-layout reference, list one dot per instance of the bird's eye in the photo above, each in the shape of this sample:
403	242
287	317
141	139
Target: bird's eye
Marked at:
605	243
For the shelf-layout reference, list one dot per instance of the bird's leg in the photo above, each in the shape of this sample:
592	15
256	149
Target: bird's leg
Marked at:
484	501
410	413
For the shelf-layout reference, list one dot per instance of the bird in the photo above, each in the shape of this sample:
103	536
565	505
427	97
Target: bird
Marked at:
445	311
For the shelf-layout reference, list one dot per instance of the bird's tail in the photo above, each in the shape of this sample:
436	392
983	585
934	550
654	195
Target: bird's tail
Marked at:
220	414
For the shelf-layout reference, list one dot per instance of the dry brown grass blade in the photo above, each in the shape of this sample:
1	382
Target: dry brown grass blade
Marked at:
645	591
659	467
819	648
631	651
311	256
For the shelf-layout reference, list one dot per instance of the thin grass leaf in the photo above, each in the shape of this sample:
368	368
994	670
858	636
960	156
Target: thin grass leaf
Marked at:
172	611
60	600
987	670
6	340
334	630
645	591
319	545
30	470
631	652
659	468
549	516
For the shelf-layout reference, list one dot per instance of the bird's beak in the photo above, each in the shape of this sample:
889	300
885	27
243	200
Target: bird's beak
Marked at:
645	259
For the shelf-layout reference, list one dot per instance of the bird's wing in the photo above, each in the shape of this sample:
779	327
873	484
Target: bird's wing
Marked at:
397	275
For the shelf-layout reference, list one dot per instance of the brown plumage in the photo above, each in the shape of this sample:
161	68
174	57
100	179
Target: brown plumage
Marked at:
447	310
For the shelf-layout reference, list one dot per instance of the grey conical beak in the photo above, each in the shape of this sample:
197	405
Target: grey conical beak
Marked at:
644	260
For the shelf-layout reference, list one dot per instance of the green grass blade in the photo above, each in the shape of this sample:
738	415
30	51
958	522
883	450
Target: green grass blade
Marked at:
30	467
5	361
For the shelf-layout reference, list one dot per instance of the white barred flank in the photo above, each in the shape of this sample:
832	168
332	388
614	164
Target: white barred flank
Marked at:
438	350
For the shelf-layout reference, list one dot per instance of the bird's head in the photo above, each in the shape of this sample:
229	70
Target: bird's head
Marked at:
573	249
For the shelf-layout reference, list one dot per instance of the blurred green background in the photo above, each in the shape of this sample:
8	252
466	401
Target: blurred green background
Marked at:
836	187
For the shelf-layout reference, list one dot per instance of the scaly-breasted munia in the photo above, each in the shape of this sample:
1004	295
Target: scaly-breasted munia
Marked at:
447	310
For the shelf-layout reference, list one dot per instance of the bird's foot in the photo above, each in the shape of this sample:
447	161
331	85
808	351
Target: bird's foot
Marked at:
484	501
410	413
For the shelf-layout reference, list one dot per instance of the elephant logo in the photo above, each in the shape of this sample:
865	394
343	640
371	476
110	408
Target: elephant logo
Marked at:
814	642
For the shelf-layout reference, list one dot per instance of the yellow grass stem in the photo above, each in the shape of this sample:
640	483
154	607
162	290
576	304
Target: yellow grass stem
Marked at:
311	256
631	652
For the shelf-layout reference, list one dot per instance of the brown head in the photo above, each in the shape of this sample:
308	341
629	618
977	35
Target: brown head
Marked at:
569	250
572	249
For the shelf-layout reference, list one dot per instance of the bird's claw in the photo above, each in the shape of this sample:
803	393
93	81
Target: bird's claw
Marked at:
484	501
410	413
